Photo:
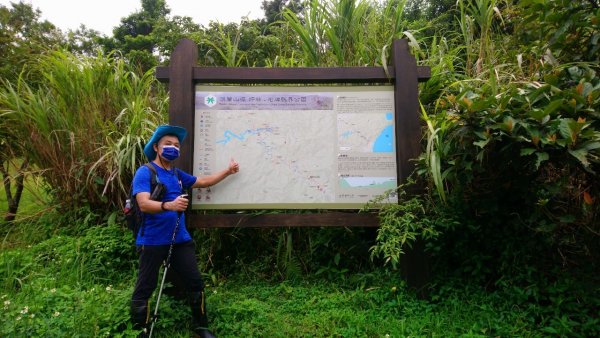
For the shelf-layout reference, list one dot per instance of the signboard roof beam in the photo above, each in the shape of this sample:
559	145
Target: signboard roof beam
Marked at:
244	75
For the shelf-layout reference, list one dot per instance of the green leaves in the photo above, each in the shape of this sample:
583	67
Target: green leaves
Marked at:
504	147
570	129
541	157
229	52
552	107
433	155
349	32
585	152
308	30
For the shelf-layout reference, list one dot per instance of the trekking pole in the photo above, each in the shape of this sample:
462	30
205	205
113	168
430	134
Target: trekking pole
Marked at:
166	263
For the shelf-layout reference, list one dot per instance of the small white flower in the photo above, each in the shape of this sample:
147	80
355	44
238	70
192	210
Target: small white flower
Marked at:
19	318
108	288
7	302
56	314
32	315
25	310
4	296
215	292
53	290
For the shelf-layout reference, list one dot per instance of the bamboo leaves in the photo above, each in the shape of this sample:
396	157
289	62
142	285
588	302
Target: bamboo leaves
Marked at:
348	32
433	155
308	30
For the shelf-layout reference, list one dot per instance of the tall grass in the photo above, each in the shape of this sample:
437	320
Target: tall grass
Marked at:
476	20
344	21
349	32
309	30
84	125
226	46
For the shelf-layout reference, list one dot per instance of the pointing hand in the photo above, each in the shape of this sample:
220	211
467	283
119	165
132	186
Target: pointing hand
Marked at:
234	167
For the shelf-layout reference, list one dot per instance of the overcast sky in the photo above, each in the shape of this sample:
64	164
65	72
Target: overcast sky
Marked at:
104	15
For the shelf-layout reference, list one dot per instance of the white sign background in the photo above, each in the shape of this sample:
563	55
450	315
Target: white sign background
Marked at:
325	147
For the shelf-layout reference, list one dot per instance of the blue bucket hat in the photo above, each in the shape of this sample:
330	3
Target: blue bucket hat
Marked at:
158	134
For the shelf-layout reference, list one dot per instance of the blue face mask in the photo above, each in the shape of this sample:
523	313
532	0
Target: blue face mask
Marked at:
170	153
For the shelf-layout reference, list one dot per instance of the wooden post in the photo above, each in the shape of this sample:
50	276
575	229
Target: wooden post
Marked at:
181	97
181	113
415	263
406	100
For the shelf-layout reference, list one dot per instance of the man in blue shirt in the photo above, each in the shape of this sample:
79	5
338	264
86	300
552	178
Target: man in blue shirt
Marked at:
160	221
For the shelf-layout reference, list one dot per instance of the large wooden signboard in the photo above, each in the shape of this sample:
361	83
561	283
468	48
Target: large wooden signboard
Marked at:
194	104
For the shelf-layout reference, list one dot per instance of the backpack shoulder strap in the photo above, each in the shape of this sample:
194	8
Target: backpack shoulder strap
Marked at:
154	178
179	179
153	181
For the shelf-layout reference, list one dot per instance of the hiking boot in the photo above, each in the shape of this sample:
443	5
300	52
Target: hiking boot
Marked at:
139	317
203	333
199	317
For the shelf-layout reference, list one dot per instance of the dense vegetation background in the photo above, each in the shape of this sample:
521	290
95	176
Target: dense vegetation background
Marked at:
504	197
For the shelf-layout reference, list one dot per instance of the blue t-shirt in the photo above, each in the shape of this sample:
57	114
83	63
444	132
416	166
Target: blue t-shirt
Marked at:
158	228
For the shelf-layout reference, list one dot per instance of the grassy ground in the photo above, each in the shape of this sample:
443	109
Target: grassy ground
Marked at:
80	285
57	293
76	279
323	309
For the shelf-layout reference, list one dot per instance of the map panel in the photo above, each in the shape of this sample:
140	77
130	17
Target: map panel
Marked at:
298	147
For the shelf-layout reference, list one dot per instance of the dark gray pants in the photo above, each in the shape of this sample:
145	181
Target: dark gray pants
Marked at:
183	261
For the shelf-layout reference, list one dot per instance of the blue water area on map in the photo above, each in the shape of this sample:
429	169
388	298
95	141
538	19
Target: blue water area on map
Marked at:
385	141
347	134
389	116
229	135
368	182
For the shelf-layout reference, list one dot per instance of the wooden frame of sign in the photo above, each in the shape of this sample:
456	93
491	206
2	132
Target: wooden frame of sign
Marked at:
183	75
